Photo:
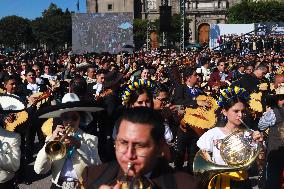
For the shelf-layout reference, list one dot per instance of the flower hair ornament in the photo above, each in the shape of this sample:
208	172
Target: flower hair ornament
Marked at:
134	87
232	93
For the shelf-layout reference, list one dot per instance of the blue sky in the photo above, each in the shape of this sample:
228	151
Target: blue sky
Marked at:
32	9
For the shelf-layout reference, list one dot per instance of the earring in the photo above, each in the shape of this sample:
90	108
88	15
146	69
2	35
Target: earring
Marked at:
224	118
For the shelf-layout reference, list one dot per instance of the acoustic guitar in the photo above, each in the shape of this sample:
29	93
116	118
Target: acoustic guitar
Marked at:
104	94
200	118
46	127
21	117
2	91
255	102
41	98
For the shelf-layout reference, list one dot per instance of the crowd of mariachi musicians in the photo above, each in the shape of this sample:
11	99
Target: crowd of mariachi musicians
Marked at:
172	83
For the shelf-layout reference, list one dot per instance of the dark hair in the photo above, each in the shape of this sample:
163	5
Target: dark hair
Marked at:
78	85
144	115
9	64
8	78
101	71
248	65
220	63
135	94
91	67
30	70
160	87
188	73
230	103
261	67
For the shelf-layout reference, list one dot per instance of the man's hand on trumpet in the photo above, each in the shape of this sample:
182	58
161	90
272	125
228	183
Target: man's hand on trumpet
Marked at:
58	132
69	141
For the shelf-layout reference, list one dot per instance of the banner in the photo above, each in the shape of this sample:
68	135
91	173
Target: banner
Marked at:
270	28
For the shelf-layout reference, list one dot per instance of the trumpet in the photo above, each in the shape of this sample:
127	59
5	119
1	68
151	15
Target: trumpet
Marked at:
134	182
56	149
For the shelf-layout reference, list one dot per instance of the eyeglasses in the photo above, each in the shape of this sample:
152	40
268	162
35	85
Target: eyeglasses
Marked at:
138	149
31	75
69	117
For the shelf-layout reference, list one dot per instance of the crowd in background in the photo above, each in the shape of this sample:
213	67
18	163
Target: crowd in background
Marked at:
166	80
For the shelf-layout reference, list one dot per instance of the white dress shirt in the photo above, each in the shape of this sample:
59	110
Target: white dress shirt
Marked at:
33	87
98	87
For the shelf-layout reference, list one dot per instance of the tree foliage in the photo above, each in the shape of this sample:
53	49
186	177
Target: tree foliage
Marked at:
54	28
249	11
15	30
175	32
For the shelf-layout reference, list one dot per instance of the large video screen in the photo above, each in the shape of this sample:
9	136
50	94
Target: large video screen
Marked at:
101	32
216	30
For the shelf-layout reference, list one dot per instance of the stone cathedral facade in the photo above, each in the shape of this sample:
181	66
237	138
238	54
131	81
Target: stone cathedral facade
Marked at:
202	13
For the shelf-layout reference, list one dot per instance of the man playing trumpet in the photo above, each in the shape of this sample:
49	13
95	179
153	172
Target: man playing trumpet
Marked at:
138	148
68	150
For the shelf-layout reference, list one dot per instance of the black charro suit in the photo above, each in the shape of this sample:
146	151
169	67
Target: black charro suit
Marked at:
183	97
163	176
186	137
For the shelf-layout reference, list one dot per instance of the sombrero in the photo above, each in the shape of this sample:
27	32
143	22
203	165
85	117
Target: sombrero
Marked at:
11	104
70	103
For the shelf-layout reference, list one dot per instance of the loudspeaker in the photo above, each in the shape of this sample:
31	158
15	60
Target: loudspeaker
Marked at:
165	17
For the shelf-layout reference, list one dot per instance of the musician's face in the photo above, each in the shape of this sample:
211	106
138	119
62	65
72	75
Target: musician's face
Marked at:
100	78
242	69
37	70
192	80
10	86
72	118
249	70
47	69
143	100
91	73
145	74
161	100
134	144
221	67
235	113
260	73
31	77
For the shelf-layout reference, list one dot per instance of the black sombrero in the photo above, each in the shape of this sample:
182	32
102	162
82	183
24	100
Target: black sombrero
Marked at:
70	103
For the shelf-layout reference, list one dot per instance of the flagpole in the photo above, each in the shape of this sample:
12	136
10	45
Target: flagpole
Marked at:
78	6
